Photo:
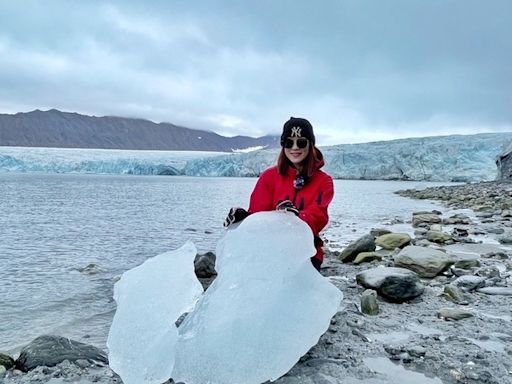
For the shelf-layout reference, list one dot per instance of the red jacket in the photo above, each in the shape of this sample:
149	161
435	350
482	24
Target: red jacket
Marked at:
312	200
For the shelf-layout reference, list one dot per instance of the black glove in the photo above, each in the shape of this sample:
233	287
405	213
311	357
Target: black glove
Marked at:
235	215
287	206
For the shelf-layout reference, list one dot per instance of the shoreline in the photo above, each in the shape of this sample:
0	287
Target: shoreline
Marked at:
411	336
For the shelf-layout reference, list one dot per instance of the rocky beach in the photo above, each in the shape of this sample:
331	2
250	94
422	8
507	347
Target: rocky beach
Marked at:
435	307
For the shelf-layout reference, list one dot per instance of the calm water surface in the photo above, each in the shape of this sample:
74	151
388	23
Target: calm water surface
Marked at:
52	226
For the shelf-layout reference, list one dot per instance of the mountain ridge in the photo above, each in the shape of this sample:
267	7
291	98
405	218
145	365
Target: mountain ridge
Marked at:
58	129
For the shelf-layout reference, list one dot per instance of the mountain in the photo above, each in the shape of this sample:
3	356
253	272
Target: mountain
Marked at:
56	129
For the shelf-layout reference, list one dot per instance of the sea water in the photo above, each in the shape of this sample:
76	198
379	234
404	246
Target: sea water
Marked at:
65	238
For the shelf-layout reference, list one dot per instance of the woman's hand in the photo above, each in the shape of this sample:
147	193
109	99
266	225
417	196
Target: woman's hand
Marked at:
287	206
235	215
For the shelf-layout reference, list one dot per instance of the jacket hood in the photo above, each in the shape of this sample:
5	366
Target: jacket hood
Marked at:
320	163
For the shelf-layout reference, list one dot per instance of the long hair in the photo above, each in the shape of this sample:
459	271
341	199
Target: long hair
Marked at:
308	164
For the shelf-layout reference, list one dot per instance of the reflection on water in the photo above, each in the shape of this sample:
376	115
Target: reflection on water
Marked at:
394	373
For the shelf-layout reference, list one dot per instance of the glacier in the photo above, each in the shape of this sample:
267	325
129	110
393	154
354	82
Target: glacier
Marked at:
103	161
462	158
267	307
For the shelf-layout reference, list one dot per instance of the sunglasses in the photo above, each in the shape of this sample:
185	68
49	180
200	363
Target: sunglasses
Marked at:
301	143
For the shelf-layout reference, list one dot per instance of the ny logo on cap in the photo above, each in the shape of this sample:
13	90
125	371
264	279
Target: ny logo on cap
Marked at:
296	132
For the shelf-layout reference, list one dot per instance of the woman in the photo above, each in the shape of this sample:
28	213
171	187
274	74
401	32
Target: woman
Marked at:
296	184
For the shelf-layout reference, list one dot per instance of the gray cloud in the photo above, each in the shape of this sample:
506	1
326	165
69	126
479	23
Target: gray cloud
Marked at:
360	70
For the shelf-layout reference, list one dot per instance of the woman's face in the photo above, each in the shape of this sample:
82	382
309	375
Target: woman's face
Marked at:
296	149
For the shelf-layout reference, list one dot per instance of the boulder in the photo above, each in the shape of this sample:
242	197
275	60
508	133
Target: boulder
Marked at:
438	237
394	284
459	218
426	262
469	283
366	257
50	350
363	244
369	303
425	218
467	263
393	240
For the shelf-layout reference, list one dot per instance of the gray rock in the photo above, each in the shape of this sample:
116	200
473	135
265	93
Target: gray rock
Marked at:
420	231
506	213
425	218
2	371
467	263
376	232
488	272
90	269
457	233
392	241
204	265
460	271
6	361
417	351
426	262
366	257
505	239
394	284
495	230
485	214
497	255
453	314
454	294
459	218
51	350
505	291
469	283
363	244
436	227
369	303
438	237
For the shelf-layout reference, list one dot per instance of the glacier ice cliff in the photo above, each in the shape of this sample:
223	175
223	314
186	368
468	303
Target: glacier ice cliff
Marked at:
267	307
104	161
440	158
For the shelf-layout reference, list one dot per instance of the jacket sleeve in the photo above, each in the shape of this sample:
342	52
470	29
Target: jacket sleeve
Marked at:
316	214
262	196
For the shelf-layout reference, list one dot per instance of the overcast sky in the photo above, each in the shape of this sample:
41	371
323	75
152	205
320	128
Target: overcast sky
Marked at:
359	70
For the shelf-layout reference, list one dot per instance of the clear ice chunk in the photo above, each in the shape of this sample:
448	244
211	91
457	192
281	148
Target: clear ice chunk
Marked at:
267	307
150	298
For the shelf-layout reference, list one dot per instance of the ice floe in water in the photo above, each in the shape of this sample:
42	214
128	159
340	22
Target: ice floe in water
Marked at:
267	308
